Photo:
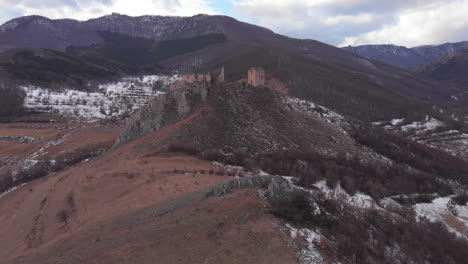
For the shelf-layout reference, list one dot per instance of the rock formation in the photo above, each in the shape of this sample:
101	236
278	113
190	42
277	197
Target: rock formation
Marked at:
165	109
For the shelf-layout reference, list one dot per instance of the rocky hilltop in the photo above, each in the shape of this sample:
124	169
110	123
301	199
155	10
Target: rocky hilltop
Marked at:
165	110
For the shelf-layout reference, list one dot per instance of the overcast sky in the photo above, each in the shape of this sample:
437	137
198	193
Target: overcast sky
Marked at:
337	22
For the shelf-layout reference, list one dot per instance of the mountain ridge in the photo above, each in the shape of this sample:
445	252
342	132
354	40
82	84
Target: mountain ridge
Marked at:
404	57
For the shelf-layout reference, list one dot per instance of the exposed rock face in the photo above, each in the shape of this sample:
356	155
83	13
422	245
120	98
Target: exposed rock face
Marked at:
165	109
274	186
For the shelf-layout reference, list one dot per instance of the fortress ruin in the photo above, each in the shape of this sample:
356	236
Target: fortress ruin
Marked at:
216	76
256	76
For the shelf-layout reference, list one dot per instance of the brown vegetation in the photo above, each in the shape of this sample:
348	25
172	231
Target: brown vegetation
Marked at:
372	236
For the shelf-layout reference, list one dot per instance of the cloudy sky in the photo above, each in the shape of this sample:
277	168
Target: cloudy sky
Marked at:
337	22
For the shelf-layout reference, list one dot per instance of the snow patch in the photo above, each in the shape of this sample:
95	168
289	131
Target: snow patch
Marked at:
359	200
310	253
397	121
439	209
429	123
111	99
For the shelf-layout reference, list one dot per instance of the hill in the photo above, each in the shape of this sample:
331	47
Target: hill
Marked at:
185	174
450	69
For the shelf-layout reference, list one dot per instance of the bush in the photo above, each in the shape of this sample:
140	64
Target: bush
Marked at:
461	199
349	185
11	100
62	216
424	198
294	208
375	237
188	149
405	151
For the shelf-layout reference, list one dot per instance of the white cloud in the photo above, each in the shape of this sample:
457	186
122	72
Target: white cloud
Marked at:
357	22
167	7
86	9
433	25
360	19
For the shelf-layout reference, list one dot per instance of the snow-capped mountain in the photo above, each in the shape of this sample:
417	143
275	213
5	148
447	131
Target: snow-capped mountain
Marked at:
406	58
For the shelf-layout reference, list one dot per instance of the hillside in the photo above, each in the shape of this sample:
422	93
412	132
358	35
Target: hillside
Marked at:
194	169
398	56
450	69
407	58
53	69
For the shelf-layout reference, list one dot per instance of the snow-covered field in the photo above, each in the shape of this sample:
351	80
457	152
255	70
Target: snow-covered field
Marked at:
431	132
111	99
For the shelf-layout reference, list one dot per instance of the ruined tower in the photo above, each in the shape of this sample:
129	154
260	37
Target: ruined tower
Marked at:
256	77
221	75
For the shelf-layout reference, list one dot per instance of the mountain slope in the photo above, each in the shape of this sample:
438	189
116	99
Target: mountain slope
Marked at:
406	58
41	32
145	199
398	56
53	69
450	69
435	52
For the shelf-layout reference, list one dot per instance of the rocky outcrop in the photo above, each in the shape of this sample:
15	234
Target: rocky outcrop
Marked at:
163	110
270	186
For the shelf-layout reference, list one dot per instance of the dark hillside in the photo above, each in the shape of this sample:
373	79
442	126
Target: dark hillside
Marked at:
51	69
353	94
11	101
452	69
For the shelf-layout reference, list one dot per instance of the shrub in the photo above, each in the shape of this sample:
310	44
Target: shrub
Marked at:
212	155
188	149
295	208
62	216
349	185
424	198
461	199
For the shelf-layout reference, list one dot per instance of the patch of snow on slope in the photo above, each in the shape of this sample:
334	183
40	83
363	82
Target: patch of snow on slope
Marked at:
397	121
308	254
315	110
34	158
430	132
359	200
429	123
440	209
111	99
